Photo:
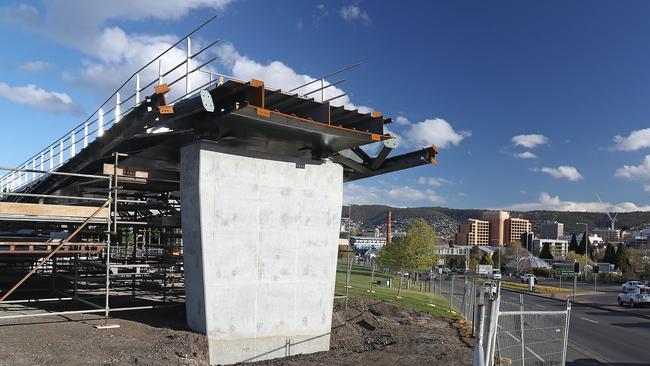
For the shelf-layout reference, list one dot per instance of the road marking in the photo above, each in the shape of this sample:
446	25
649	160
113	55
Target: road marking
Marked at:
535	354
589	320
540	306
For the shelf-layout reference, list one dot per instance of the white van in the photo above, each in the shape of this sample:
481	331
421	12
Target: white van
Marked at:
496	274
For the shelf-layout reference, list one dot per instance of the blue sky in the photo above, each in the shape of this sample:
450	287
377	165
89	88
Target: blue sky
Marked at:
534	105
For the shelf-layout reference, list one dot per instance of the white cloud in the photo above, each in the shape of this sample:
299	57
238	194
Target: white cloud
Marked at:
276	74
35	66
401	120
361	194
437	182
37	97
637	140
525	155
435	131
529	141
639	172
561	172
554	203
353	13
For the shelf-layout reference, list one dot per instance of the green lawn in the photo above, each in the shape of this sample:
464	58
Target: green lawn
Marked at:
360	283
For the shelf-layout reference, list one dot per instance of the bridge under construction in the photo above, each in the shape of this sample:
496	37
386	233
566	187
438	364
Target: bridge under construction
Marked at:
222	194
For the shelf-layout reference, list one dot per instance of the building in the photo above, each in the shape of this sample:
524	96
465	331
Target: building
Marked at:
514	227
551	230
558	247
594	240
608	234
638	239
361	244
473	232
497	221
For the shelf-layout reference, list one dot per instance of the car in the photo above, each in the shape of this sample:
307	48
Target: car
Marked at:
630	284
525	278
634	295
496	274
446	271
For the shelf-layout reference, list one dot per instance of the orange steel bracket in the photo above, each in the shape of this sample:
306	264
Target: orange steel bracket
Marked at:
254	98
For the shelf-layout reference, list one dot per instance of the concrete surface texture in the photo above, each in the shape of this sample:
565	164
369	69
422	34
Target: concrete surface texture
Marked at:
260	237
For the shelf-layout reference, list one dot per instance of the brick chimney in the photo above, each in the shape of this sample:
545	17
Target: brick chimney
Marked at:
389	228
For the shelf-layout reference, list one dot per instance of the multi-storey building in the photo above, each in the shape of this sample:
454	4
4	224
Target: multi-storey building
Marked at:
514	227
551	230
362	244
497	221
608	234
473	232
558	247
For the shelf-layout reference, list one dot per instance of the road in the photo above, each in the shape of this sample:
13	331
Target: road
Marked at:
597	336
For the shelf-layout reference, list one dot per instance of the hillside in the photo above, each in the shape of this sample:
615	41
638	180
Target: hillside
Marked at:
446	220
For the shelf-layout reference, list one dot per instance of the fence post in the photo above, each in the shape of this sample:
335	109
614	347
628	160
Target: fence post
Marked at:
51	157
42	163
521	326
451	296
566	330
494	321
479	357
33	168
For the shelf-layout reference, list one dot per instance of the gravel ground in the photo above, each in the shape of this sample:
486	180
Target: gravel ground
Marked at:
367	333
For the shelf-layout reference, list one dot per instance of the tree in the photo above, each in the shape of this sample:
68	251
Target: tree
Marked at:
415	251
585	246
621	257
546	252
474	257
487	259
573	245
610	254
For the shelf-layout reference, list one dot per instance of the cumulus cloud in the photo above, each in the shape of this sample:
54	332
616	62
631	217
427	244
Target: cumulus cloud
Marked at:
277	74
435	131
35	66
636	140
529	141
554	203
401	120
525	155
433	181
360	194
37	97
353	13
639	172
561	172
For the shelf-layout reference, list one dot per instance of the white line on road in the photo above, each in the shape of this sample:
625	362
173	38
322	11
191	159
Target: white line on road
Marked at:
589	320
540	306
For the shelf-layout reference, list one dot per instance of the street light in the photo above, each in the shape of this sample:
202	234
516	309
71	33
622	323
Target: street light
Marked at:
586	244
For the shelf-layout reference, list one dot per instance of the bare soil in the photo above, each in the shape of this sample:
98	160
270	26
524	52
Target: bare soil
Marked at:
366	333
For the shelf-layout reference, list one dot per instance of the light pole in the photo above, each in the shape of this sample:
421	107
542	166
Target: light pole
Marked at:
586	245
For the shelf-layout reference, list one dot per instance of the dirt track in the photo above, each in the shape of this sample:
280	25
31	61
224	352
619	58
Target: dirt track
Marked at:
367	333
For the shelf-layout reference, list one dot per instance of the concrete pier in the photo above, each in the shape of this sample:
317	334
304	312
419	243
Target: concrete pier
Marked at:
260	235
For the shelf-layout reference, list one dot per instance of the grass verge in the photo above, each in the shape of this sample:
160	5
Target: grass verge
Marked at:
360	284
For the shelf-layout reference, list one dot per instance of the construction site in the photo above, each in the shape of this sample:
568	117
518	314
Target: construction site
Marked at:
191	202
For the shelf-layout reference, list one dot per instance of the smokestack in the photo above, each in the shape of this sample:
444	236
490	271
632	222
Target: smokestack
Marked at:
389	228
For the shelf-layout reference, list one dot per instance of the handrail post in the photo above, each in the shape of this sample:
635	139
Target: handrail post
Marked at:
33	168
51	157
85	134
42	163
118	112
137	89
160	73
73	144
188	85
100	121
60	152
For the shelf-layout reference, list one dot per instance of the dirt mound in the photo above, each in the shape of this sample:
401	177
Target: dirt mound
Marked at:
369	332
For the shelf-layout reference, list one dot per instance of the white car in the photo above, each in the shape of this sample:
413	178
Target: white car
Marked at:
630	284
635	295
528	277
496	274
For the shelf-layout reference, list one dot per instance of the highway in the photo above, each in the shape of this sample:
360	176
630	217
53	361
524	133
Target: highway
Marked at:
605	335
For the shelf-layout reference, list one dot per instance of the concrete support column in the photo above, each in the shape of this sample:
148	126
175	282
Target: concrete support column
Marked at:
260	238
